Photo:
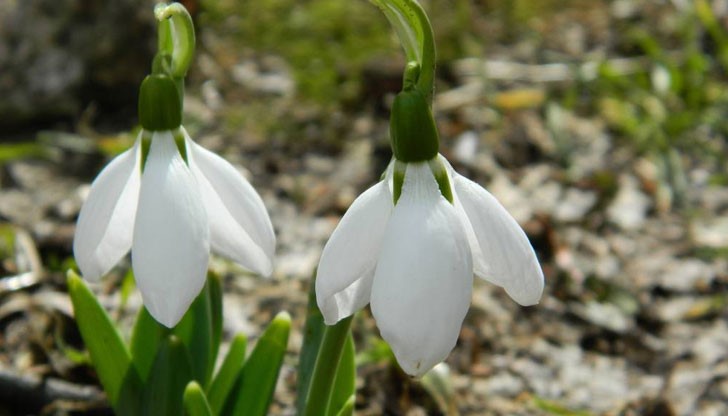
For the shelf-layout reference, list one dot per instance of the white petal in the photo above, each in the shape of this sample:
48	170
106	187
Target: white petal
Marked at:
243	206
423	280
346	269
227	236
171	236
105	224
504	255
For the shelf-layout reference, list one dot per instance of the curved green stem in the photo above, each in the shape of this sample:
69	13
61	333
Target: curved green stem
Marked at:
327	363
176	36
426	82
415	33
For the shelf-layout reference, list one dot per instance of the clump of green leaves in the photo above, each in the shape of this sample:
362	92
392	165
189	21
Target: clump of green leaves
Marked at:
162	371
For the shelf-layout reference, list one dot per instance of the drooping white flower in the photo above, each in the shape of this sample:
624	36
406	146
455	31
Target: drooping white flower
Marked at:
170	214
414	261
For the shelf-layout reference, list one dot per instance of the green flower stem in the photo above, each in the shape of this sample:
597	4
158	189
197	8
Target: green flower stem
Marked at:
418	41
176	36
324	372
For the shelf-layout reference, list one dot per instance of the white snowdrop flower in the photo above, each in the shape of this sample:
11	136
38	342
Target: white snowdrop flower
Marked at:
183	202
414	260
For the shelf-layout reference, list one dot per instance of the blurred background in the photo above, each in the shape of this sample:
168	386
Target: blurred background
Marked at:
601	126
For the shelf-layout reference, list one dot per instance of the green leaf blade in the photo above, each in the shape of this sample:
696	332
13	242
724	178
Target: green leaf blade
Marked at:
228	373
168	378
196	333
313	332
345	382
109	354
195	401
256	383
348	408
214	283
145	340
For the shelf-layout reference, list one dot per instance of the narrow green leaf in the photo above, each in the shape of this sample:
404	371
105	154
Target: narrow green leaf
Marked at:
254	388
195	332
170	373
214	283
322	381
345	382
348	408
195	401
200	330
227	374
145	339
313	332
109	354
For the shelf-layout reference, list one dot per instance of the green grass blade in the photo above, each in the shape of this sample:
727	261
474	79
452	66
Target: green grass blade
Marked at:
254	388
109	354
195	401
228	373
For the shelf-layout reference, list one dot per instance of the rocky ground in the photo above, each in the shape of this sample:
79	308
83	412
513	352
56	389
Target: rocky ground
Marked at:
632	239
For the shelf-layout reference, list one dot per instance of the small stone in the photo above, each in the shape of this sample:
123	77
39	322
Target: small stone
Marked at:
686	385
712	346
711	233
501	384
605	315
686	275
574	205
629	208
